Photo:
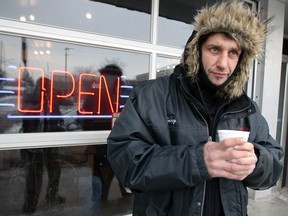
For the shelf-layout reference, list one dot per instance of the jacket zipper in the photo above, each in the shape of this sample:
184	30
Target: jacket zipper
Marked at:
203	199
209	139
204	190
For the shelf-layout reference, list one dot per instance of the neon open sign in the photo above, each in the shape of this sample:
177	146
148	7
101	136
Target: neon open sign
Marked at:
79	90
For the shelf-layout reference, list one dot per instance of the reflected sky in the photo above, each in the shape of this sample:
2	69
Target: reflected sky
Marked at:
97	17
88	16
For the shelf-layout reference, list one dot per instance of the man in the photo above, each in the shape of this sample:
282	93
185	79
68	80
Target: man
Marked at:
165	147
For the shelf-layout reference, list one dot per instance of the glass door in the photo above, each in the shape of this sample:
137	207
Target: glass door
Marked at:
282	130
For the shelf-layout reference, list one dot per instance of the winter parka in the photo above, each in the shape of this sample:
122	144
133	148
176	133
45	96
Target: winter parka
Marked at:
156	147
156	150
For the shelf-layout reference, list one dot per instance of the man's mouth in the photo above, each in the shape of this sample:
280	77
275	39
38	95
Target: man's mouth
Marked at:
220	74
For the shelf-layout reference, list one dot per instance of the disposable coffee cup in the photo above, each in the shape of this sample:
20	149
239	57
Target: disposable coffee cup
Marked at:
227	134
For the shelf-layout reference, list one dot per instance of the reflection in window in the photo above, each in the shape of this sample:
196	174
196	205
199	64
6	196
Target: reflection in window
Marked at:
48	86
165	66
123	19
175	19
61	181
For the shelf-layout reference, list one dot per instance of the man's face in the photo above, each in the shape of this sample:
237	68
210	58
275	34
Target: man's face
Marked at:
220	55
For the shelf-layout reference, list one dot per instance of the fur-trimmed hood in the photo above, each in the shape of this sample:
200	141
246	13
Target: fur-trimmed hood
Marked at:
242	24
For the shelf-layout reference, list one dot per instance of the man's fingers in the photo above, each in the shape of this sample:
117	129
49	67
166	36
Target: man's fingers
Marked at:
230	170
235	154
245	147
245	160
237	175
228	143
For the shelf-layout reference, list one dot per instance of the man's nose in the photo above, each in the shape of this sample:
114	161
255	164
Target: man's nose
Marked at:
222	60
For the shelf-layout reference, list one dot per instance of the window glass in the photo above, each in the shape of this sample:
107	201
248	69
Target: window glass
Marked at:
281	105
175	20
117	18
165	65
60	181
50	86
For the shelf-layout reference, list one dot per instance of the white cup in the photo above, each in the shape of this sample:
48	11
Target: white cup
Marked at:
226	134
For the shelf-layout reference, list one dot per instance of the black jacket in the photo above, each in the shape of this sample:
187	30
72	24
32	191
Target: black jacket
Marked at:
156	149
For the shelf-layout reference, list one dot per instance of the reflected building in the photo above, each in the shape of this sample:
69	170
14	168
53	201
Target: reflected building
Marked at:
163	71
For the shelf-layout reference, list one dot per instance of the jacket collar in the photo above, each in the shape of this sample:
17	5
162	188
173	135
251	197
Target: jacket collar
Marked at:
192	91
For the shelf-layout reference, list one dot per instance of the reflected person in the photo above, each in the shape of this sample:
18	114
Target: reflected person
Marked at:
37	159
110	75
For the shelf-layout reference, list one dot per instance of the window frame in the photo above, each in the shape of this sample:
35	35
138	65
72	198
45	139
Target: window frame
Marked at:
37	31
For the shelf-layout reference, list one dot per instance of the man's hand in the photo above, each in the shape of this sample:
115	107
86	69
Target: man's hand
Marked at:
232	158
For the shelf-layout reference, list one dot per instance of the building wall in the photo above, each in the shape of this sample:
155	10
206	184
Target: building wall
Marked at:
269	71
273	59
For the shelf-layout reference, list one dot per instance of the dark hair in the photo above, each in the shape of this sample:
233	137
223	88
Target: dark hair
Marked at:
111	69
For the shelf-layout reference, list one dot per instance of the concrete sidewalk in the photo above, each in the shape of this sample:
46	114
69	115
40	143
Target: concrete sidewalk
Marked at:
275	204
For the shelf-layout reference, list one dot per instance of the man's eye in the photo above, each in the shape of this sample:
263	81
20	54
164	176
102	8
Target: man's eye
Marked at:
234	53
214	49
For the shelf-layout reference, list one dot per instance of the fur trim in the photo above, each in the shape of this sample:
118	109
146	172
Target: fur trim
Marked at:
240	23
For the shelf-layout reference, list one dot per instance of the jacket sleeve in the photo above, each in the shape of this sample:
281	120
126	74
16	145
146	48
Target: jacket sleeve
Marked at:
269	153
141	164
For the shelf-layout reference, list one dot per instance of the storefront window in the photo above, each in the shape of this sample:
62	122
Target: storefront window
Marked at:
61	181
50	86
123	19
175	20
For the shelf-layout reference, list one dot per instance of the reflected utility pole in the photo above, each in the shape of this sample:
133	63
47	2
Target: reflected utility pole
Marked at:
66	55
